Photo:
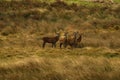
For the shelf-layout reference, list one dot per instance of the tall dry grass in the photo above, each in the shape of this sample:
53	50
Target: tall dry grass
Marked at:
34	63
23	24
65	68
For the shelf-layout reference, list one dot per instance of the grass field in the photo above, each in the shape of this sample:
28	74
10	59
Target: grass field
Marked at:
55	64
23	24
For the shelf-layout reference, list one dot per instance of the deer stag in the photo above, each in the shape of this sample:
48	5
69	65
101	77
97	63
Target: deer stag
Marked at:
72	40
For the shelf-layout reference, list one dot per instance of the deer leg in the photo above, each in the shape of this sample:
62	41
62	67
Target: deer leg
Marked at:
52	45
61	45
65	45
75	45
72	46
43	44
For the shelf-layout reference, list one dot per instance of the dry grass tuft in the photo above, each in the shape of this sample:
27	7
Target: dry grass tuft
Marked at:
82	67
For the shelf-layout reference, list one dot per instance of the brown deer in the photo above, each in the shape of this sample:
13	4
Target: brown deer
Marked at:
63	39
72	41
78	40
69	40
51	40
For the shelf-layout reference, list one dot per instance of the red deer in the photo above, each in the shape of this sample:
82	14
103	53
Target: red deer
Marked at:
51	40
63	39
71	40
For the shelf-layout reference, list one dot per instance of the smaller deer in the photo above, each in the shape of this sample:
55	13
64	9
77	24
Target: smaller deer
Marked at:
51	40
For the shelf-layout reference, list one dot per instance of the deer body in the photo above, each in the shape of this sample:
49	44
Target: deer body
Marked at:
51	40
72	41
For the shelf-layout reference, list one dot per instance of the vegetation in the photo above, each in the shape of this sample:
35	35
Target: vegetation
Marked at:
24	23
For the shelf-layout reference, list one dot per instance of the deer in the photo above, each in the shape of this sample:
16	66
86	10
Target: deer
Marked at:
63	39
52	40
69	40
72	41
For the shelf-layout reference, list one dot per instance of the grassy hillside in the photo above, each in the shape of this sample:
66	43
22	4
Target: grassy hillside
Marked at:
26	22
23	24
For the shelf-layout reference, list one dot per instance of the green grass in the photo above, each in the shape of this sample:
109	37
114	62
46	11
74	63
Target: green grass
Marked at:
117	1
